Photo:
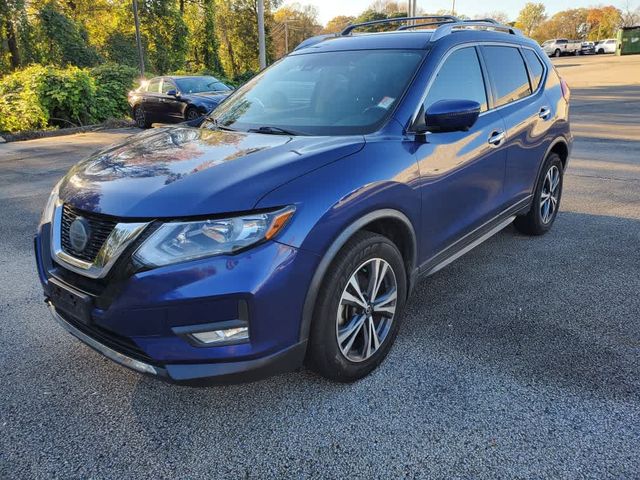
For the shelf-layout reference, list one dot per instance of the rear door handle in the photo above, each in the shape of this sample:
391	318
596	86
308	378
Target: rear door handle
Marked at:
496	138
544	113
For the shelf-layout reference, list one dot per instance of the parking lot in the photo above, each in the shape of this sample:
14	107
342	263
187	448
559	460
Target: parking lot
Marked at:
520	360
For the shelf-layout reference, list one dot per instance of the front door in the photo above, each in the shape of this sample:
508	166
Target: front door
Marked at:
462	173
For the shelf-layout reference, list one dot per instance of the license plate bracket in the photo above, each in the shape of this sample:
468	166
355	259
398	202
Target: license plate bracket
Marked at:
70	301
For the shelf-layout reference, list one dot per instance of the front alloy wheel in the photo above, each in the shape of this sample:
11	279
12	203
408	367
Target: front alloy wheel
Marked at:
358	309
366	310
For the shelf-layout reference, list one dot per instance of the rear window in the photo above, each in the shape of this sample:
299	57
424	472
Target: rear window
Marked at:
154	86
507	70
536	69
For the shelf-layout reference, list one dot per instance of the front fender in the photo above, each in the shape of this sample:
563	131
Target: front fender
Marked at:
335	196
335	201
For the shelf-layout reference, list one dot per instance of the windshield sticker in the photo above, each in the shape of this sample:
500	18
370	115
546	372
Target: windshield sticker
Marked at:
386	102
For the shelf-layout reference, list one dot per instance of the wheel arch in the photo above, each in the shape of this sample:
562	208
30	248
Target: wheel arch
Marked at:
560	146
391	223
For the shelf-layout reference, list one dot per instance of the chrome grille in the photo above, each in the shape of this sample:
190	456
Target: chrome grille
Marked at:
101	227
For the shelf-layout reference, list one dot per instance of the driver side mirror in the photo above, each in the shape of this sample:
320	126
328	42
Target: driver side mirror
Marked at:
450	116
173	93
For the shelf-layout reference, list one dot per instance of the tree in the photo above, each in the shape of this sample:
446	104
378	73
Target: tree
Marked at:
531	17
630	17
293	24
497	15
67	40
603	22
337	24
10	12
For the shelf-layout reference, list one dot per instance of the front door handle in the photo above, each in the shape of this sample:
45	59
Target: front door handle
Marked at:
496	138
544	113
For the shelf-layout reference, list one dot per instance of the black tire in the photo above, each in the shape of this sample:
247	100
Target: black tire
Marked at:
534	221
140	117
191	113
324	354
557	53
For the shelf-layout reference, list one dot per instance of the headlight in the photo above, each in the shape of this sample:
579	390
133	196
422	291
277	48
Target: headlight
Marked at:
181	241
50	206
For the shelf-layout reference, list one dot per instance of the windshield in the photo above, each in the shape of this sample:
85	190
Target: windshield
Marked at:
200	84
330	93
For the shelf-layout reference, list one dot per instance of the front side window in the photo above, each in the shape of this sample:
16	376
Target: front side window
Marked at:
167	85
328	93
508	73
536	69
459	78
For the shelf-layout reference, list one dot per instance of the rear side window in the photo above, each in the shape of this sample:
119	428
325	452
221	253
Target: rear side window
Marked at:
154	86
459	78
508	73
536	69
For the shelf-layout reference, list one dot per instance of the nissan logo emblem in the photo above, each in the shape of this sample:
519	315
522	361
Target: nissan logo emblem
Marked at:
79	234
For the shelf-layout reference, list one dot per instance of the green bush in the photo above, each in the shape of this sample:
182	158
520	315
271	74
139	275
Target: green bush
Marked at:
112	82
20	106
39	97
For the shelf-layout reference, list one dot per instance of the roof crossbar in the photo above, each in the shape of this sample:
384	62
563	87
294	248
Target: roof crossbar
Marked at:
428	24
351	28
449	27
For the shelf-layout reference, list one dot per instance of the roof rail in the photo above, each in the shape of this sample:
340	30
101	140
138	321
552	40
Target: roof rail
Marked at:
449	27
314	40
488	20
350	28
427	24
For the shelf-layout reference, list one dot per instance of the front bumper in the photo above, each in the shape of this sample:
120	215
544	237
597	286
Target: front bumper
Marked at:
197	374
138	319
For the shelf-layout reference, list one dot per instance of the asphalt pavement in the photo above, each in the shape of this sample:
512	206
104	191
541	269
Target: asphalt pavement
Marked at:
519	360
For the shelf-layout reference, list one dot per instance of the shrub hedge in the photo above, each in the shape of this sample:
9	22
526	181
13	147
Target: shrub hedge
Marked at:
39	97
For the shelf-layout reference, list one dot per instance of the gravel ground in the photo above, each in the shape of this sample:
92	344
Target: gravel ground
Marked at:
520	360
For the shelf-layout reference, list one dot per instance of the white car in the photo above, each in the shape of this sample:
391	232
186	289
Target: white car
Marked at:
561	46
607	46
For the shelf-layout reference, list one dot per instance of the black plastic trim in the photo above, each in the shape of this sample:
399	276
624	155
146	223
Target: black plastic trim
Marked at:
332	251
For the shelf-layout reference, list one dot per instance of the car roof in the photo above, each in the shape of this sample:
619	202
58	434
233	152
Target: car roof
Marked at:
406	39
174	77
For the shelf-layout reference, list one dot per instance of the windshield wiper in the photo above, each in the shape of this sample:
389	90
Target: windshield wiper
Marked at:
274	131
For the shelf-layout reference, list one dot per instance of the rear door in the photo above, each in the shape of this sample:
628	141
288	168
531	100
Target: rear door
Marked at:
151	100
518	95
462	173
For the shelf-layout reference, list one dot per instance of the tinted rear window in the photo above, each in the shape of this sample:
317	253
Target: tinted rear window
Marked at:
536	69
506	67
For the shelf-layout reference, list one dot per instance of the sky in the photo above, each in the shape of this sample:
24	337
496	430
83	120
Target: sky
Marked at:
328	9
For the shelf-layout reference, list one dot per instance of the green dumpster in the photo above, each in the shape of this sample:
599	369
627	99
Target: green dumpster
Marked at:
628	41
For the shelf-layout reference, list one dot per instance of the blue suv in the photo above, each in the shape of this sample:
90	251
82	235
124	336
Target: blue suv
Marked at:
290	226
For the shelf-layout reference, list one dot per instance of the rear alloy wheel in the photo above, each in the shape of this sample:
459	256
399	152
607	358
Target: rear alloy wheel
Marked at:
546	199
358	310
191	114
140	118
557	53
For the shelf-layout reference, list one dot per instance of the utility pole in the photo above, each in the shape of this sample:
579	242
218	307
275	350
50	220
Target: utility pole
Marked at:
453	7
286	37
262	54
138	40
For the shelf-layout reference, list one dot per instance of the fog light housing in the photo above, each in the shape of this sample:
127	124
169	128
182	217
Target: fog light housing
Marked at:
222	336
231	332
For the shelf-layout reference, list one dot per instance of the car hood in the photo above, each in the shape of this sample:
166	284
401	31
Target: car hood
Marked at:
210	96
182	171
